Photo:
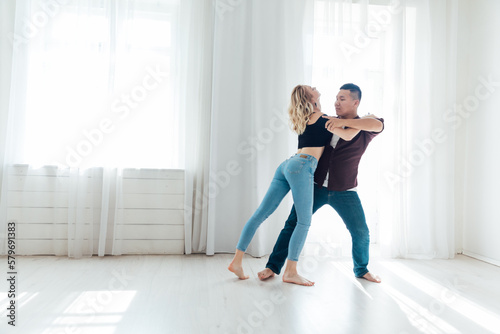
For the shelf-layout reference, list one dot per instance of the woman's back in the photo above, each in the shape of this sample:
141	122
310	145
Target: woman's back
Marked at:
314	138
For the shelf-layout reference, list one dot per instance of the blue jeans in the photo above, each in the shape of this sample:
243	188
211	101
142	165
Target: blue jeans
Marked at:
348	206
297	174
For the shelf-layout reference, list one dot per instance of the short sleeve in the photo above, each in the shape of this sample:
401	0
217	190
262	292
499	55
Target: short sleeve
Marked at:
374	134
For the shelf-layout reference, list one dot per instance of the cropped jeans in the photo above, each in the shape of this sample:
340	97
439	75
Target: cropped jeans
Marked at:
296	174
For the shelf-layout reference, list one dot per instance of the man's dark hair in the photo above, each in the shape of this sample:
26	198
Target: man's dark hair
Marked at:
354	89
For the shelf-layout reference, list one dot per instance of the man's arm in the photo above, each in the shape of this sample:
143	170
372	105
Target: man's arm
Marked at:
345	134
367	123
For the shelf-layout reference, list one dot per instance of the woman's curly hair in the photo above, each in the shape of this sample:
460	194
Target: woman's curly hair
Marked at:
300	109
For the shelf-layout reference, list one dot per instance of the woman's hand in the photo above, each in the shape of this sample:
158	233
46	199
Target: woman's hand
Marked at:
336	126
332	123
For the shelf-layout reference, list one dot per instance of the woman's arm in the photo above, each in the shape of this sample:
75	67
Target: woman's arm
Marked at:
345	134
366	123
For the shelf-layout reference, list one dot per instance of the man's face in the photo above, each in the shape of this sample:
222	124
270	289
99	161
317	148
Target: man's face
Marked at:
345	104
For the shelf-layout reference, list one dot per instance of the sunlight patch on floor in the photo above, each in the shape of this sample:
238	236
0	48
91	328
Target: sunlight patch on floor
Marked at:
420	317
347	271
97	311
446	296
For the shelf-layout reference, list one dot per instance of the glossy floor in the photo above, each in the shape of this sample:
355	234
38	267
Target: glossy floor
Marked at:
196	294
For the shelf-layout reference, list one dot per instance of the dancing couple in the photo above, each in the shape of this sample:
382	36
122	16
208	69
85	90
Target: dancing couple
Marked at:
323	171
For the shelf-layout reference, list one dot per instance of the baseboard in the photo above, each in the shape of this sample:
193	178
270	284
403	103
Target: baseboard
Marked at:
482	258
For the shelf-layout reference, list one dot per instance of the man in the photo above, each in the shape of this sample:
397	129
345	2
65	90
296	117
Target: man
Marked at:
336	182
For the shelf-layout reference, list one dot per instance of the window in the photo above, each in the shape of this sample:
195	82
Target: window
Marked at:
100	87
352	43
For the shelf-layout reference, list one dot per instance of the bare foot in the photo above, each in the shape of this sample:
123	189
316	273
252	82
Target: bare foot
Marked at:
372	278
265	274
296	279
237	270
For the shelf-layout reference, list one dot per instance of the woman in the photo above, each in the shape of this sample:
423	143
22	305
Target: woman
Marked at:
297	174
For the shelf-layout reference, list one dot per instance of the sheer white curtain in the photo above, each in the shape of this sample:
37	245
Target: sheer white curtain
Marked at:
94	72
402	55
344	53
7	13
260	53
91	93
420	91
195	94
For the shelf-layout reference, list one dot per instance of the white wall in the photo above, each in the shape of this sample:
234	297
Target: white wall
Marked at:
478	151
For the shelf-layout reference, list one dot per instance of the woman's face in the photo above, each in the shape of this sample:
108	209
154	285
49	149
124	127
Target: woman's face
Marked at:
315	97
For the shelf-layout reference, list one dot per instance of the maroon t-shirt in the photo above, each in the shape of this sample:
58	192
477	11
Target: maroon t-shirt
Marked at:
341	162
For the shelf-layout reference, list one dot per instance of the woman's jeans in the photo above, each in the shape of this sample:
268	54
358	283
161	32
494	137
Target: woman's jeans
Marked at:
297	174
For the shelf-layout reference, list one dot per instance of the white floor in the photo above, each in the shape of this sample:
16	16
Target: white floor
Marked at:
196	294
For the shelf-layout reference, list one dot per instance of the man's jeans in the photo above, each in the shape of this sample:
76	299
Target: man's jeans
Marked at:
348	206
297	174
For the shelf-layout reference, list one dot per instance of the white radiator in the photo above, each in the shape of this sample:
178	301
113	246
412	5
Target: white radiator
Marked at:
153	216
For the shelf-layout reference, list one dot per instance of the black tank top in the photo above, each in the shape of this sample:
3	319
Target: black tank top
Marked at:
315	135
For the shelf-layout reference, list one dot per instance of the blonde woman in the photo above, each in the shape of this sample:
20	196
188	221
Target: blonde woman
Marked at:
296	174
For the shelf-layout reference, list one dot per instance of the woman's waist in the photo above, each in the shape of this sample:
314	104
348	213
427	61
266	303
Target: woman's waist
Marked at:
312	151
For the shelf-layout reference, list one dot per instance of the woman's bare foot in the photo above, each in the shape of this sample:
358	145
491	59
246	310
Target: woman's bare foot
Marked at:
372	278
235	265
296	279
291	275
265	274
237	270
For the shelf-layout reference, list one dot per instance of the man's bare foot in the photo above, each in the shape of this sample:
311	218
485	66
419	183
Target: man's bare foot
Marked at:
372	278
265	274
237	270
296	279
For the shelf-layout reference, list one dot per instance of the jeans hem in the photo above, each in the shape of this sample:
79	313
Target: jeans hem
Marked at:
274	269
361	275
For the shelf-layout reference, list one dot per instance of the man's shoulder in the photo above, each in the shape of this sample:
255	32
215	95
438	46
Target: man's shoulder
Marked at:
372	116
380	119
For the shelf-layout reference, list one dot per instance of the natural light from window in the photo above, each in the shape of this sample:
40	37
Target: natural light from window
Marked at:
100	91
345	52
